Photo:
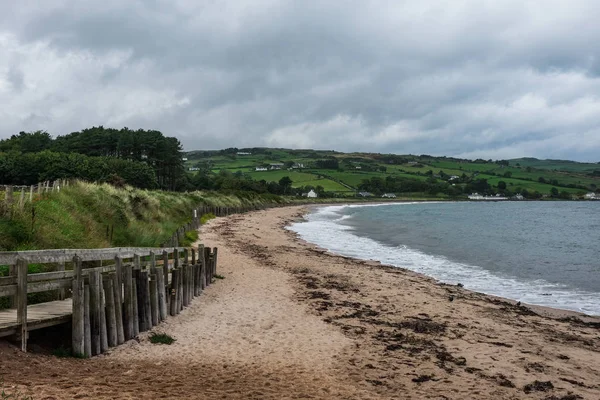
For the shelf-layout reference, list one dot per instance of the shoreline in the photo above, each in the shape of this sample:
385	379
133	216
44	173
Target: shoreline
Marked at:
551	312
291	321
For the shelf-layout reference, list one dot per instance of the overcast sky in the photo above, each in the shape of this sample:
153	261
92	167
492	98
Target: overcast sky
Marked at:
492	79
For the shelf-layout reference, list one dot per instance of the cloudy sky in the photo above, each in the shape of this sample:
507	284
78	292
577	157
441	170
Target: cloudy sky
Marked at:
492	79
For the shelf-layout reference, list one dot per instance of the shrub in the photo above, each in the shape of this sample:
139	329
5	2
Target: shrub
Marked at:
161	338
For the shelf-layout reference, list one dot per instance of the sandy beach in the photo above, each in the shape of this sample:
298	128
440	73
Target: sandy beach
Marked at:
291	321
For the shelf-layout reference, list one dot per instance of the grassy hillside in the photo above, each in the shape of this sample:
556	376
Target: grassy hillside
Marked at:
526	174
90	216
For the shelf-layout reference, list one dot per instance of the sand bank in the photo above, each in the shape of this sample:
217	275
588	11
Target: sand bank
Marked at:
291	321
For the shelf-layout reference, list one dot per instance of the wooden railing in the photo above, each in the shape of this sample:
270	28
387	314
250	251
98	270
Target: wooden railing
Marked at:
114	301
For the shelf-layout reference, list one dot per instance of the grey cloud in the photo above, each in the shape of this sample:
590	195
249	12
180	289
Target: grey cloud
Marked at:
450	78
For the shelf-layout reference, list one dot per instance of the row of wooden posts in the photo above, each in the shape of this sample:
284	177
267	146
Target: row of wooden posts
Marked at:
111	308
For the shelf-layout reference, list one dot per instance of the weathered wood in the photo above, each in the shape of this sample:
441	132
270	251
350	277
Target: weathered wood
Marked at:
61	292
37	287
22	302
174	309
111	314
207	265
162	299
103	327
154	308
12	271
87	347
147	301
165	256
118	309
95	304
136	318
202	271
9	291
180	292
78	319
185	298
128	300
119	274
141	303
46	276
66	255
215	253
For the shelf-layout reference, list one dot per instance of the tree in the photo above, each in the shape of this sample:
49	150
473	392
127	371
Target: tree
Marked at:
554	192
383	169
502	185
507	174
285	183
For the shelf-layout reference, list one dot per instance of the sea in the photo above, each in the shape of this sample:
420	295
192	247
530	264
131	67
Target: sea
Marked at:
541	253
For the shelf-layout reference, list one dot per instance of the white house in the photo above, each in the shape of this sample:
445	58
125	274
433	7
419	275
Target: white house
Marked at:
519	196
243	153
183	159
276	166
592	196
312	194
365	194
389	195
297	165
193	169
453	177
261	169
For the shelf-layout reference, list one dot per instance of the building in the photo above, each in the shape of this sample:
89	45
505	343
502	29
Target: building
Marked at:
193	169
312	194
478	197
453	177
183	159
389	196
276	166
243	153
261	169
519	196
297	165
592	196
365	194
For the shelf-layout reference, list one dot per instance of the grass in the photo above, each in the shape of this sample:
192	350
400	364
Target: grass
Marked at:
216	276
189	238
161	338
207	217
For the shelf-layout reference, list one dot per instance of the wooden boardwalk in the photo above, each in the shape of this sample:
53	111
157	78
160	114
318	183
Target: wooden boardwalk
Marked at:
38	316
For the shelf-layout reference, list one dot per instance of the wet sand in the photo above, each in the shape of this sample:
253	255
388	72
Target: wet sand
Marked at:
290	321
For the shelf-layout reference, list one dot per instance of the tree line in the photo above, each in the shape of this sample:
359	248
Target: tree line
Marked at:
143	158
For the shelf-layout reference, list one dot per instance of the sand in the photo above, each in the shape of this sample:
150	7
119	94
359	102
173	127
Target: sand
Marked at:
291	321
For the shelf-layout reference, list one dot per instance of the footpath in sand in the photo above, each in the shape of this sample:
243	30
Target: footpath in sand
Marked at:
291	321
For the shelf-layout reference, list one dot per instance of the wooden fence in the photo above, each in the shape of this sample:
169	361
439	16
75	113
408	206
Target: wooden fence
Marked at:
131	291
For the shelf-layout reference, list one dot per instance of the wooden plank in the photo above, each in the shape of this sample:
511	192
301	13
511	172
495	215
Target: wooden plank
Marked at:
87	348
174	309
10	290
8	280
154	300
66	255
128	320
49	285
22	302
136	318
103	328
95	312
162	299
111	315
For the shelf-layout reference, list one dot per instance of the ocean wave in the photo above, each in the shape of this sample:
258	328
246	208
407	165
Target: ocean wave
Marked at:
323	228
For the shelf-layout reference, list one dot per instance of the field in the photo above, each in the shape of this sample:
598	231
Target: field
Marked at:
520	174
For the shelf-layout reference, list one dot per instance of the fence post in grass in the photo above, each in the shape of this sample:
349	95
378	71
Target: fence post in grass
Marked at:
111	314
87	325
118	308
22	199
154	299
95	311
31	198
78	319
22	302
174	289
128	303
162	300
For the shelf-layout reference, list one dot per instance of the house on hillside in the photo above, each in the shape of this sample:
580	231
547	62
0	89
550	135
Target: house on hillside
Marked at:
519	196
243	153
453	177
183	159
389	196
365	194
297	166
193	169
275	166
592	196
312	194
261	169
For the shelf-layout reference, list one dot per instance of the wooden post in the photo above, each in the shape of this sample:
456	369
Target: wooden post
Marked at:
119	276
128	322
201	283
176	258
22	199
87	325
180	291
31	198
141	303
165	255
103	328
22	302
215	261
95	302
207	265
111	314
118	308
162	300
154	299
78	320
136	318
147	300
174	290
185	300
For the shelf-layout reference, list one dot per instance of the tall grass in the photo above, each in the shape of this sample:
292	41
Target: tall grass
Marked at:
86	215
